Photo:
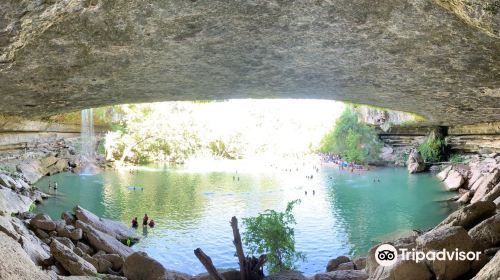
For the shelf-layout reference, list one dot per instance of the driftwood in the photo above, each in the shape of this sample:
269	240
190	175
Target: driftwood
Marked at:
250	267
207	263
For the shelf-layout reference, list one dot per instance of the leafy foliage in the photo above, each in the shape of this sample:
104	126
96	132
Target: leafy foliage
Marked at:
352	139
433	148
456	158
271	233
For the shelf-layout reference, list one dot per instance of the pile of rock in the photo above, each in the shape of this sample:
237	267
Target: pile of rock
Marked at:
82	243
16	195
479	180
475	227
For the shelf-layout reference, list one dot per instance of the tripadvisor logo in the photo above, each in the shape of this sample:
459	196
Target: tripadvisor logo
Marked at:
387	255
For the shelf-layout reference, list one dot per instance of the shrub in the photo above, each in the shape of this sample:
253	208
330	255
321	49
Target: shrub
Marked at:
433	148
271	233
456	158
352	139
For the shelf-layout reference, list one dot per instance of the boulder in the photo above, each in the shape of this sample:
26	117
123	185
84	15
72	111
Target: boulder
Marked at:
139	266
38	251
76	234
470	215
449	238
43	221
103	241
118	261
66	242
16	264
491	271
48	161
487	233
454	180
333	264
493	194
346	266
12	202
464	198
403	270
444	173
7	182
71	261
486	185
342	275
32	171
85	248
404	242
116	229
68	217
228	274
7	228
360	263
415	162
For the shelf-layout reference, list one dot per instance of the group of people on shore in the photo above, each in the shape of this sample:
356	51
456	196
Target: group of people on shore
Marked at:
145	222
341	163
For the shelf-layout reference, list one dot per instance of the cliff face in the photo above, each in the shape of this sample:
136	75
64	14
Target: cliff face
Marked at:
417	56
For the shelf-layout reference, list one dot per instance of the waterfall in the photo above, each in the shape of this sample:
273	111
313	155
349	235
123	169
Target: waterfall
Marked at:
88	144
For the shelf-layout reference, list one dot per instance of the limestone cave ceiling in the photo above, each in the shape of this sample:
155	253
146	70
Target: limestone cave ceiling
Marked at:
435	58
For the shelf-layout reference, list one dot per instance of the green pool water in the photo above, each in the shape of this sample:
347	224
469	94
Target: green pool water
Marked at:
347	215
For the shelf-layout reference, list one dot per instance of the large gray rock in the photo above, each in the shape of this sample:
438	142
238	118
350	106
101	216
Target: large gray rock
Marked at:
71	261
229	274
402	243
403	270
12	202
487	233
493	193
415	162
470	215
287	275
16	264
32	171
444	173
116	229
104	241
333	264
486	185
449	238
44	222
454	180
342	275
139	266
491	271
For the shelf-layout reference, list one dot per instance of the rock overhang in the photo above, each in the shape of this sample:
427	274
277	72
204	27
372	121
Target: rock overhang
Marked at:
408	55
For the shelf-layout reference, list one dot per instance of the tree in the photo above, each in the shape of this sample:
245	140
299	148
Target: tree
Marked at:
352	139
271	233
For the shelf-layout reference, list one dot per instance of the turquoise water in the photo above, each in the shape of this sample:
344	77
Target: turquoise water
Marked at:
347	215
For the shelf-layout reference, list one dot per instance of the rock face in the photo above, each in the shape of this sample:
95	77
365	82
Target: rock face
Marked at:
17	266
139	266
415	162
71	261
257	49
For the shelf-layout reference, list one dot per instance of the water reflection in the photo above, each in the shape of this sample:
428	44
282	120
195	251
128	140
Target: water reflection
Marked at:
347	214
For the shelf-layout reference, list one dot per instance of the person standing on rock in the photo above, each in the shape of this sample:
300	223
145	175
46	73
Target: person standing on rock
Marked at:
145	220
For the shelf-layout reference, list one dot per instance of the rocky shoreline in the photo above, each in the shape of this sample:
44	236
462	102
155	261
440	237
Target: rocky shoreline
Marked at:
82	244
